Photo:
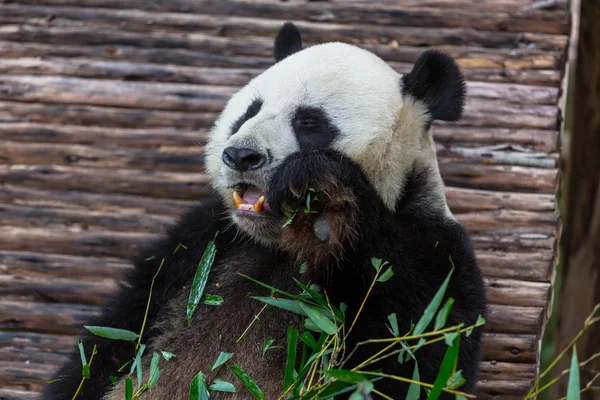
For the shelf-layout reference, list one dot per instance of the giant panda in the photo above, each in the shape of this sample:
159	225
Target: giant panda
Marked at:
338	120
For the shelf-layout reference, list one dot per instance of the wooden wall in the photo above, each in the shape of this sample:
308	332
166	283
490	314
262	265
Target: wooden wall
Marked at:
105	104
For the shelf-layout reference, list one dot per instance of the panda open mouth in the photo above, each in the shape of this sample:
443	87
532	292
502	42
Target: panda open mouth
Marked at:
250	198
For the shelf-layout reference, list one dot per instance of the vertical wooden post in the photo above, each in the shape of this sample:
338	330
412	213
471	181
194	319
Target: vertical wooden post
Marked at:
580	289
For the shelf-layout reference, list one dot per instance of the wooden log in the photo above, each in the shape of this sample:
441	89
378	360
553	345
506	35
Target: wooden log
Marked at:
511	389
513	319
158	184
43	342
28	377
509	348
513	292
142	21
97	136
12	394
499	177
31	356
107	117
509	221
59	266
537	140
348	13
535	266
501	114
19	288
83	243
513	242
44	317
33	217
137	71
113	202
164	158
522	94
157	96
497	155
462	200
501	371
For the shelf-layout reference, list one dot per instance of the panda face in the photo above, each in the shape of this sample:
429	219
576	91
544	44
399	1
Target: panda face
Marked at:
332	95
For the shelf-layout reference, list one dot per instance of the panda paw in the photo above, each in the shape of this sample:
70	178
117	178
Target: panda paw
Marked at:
316	192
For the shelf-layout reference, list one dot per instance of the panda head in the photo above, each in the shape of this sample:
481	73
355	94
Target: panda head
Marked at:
335	96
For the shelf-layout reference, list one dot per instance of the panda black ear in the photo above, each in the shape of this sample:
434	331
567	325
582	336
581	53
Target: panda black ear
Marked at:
437	81
287	42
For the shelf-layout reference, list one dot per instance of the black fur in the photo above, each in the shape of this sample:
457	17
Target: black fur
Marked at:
419	247
437	81
287	42
251	112
313	128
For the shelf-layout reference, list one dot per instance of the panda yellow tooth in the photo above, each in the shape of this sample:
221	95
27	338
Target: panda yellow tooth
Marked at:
237	199
258	206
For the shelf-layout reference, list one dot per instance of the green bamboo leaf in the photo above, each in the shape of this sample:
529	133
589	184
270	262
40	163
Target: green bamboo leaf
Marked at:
319	319
442	315
386	275
113	379
414	390
128	389
574	386
376	263
167	355
311	326
198	390
212	300
292	344
137	364
276	290
247	382
309	339
362	391
222	386
267	345
432	308
222	359
85	371
289	305
447	369
82	353
345	375
154	371
450	337
112	333
393	328
312	292
456	380
201	277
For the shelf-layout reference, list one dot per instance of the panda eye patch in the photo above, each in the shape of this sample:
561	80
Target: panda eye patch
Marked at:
250	113
313	128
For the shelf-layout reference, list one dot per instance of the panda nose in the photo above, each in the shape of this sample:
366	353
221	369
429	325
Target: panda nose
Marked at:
243	159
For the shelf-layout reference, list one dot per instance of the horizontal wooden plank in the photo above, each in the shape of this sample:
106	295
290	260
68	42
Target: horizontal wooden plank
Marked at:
228	25
349	13
496	155
77	200
164	158
55	290
524	139
225	75
527	266
12	394
60	266
509	220
102	180
509	347
501	371
25	377
514	292
514	319
31	356
514	242
511	389
463	200
43	342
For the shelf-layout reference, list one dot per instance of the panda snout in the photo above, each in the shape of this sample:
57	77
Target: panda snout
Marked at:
243	159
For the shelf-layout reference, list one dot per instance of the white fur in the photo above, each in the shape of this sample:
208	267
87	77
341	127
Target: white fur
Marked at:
380	130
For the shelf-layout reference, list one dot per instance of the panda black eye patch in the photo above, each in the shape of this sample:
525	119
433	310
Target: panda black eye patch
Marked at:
313	128
251	112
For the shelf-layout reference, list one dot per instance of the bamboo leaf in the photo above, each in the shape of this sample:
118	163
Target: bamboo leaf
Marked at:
154	371
309	339
274	289
267	345
345	375
212	300
198	390
289	305
432	308
414	390
376	263
320	300
128	389
292	344
393	328
447	369
85	371
201	277
319	319
456	380
574	386
82	353
222	359
167	355
247	382
137	364
222	386
112	333
442	316
386	275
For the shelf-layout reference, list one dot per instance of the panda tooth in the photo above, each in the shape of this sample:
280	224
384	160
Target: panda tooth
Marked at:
258	206
237	199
